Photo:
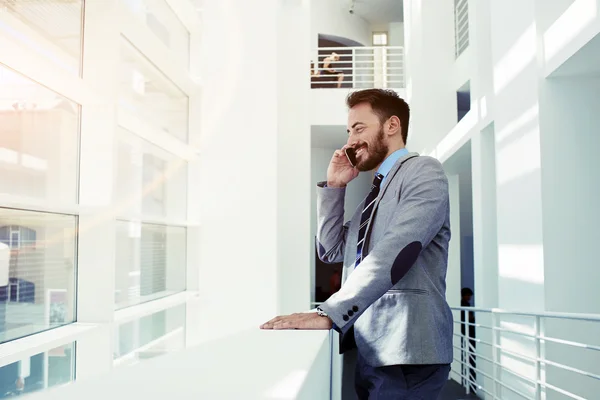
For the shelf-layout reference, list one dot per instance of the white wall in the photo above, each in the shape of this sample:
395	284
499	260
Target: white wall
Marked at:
332	17
396	34
328	106
569	121
255	240
395	31
528	231
429	55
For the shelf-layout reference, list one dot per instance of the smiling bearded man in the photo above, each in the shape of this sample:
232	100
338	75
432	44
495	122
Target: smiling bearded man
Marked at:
392	304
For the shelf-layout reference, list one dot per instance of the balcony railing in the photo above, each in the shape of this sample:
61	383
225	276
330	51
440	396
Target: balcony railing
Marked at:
359	67
527	355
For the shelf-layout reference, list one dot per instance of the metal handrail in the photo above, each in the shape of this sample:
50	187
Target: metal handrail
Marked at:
540	339
362	48
543	314
470	351
361	66
546	338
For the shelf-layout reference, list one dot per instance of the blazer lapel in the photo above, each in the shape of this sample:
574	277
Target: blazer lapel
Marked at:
388	181
391	175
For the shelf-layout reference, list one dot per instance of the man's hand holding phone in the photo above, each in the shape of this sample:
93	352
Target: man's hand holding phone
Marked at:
341	171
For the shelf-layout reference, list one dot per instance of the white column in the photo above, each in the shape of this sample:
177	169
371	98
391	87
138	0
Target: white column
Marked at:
193	322
255	163
429	56
518	175
569	107
454	265
94	352
482	70
96	254
295	245
485	240
570	120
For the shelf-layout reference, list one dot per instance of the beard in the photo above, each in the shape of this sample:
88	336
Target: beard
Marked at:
374	153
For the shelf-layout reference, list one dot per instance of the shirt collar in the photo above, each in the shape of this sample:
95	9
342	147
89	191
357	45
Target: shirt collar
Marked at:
388	163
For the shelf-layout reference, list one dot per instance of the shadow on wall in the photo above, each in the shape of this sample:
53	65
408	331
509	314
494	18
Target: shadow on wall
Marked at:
345	64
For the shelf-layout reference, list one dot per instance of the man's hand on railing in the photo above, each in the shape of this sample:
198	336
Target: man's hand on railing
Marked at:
309	320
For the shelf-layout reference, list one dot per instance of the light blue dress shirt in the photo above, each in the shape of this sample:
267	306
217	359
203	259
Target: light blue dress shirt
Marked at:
388	163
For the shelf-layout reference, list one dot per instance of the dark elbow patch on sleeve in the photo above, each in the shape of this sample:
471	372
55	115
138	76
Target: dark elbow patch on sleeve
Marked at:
405	259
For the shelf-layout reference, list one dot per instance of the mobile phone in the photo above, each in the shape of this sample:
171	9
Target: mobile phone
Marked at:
351	155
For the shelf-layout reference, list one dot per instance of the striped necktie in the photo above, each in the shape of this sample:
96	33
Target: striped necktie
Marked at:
369	204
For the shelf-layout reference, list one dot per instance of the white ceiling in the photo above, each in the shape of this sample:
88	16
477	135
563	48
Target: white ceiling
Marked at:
378	11
328	136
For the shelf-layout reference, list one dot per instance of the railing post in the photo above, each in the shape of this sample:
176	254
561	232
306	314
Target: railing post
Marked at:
463	355
495	391
536	330
538	355
331	364
467	359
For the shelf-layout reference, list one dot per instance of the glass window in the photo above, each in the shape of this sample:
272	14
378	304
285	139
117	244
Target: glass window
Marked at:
37	274
150	336
44	370
379	39
39	143
52	28
149	95
151	182
165	24
151	262
15	240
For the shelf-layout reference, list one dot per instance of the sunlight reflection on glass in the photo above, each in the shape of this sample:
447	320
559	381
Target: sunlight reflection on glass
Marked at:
51	28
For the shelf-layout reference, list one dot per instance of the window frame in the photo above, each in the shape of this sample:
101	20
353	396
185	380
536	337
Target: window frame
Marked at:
95	314
378	33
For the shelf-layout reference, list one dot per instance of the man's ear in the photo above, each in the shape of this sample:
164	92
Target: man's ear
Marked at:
393	126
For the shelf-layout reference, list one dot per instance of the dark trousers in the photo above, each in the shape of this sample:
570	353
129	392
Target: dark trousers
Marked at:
400	382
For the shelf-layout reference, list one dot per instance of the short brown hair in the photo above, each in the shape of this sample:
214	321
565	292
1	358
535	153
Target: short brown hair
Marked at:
385	103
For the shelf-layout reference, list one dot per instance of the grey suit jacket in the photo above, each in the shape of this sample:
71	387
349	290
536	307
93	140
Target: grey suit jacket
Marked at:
395	299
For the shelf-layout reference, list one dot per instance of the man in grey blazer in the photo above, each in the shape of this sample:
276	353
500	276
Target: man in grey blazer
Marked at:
392	304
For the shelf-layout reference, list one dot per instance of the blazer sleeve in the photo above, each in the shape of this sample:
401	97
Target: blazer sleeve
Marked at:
419	217
331	230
